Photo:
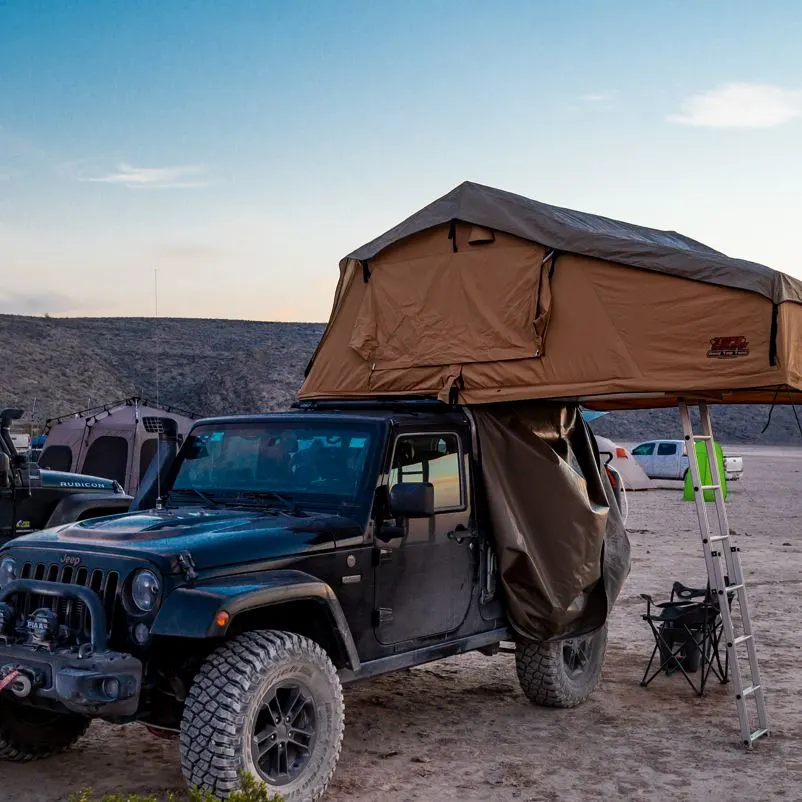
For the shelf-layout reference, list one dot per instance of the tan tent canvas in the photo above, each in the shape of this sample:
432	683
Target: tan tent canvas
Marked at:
485	296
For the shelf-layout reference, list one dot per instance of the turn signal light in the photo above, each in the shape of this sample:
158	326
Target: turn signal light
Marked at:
621	453
222	619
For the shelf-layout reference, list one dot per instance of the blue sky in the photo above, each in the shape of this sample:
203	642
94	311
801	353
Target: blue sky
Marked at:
243	147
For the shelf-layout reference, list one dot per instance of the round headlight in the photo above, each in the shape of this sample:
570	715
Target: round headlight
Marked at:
145	590
8	571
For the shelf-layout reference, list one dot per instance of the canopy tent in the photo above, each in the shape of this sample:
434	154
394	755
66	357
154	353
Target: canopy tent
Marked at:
116	441
485	296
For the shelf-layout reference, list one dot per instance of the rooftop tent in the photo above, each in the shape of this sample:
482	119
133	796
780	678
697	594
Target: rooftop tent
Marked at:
116	441
485	296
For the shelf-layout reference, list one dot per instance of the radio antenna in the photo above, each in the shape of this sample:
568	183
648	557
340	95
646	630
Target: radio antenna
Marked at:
158	348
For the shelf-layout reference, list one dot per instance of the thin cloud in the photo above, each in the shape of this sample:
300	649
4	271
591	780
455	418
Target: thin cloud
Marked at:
177	177
123	174
740	105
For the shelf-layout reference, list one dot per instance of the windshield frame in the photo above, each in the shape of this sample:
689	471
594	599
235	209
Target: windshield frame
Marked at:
357	506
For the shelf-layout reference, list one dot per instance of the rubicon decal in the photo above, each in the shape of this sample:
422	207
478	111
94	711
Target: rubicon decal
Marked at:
727	347
94	485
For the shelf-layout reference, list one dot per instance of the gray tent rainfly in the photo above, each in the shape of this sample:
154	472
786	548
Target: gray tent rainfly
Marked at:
116	441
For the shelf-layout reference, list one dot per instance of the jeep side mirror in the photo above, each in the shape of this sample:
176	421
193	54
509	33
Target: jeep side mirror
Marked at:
5	470
412	500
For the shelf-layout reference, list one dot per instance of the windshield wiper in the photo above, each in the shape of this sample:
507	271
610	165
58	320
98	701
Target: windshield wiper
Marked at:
290	505
198	493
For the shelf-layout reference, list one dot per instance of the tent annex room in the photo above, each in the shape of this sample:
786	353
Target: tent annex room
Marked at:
116	441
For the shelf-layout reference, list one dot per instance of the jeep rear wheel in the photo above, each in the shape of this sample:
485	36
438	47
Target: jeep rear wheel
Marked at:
270	704
561	673
27	733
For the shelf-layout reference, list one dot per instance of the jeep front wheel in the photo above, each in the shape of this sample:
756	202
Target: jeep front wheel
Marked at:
28	733
561	673
267	703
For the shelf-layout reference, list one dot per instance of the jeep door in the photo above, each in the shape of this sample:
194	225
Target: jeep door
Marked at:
425	567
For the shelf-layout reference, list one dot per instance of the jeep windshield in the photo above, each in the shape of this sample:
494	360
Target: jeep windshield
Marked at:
273	464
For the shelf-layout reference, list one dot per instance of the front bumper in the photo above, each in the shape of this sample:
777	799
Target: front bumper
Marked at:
89	679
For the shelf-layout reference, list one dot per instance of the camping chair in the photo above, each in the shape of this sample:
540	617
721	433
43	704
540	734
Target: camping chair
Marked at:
687	633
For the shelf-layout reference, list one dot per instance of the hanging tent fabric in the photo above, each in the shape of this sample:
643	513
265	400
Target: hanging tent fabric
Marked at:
484	296
116	441
495	301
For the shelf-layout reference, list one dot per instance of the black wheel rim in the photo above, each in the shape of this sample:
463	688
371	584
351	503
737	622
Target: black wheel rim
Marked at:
576	656
284	733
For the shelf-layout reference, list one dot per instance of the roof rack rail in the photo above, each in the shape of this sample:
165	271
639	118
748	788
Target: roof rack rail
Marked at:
399	403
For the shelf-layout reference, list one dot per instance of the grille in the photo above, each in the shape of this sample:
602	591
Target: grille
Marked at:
72	613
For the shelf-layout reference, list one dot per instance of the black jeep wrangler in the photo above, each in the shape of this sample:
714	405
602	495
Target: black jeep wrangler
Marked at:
32	498
231	614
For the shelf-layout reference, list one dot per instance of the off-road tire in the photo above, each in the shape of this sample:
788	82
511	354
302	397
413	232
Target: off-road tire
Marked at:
545	676
225	702
29	733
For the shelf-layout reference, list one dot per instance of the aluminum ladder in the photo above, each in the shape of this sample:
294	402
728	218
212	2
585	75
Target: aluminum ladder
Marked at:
723	562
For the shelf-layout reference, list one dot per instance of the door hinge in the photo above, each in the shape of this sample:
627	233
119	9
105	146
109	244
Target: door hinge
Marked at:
382	555
384	615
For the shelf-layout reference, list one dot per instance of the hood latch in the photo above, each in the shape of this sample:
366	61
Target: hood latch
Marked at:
187	564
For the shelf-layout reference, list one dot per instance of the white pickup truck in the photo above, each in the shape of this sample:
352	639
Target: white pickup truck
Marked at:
666	459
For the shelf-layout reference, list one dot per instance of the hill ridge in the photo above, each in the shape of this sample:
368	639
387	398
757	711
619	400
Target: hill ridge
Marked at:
216	366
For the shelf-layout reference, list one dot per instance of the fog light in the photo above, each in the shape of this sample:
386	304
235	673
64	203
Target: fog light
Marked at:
141	634
42	625
111	687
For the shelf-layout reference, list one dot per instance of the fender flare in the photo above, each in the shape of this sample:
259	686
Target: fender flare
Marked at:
72	506
191	611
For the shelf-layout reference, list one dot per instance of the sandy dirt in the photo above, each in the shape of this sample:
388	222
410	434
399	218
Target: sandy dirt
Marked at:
461	729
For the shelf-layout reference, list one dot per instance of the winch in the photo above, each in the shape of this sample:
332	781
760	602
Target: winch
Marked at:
19	681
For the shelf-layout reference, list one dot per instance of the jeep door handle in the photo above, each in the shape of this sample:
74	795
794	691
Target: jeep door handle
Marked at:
460	534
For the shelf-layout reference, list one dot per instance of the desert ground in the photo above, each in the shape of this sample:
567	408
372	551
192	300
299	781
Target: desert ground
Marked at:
462	730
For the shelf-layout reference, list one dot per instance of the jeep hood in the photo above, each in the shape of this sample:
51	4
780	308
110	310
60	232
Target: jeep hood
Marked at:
214	538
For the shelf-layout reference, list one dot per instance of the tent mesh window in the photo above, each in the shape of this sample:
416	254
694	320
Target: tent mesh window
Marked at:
154	425
146	454
56	458
107	457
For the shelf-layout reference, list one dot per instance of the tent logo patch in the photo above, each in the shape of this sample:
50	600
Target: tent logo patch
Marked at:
727	347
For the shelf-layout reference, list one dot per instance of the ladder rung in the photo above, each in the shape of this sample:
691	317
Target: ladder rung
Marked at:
741	639
750	690
716	538
728	588
702	437
710	487
758	734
